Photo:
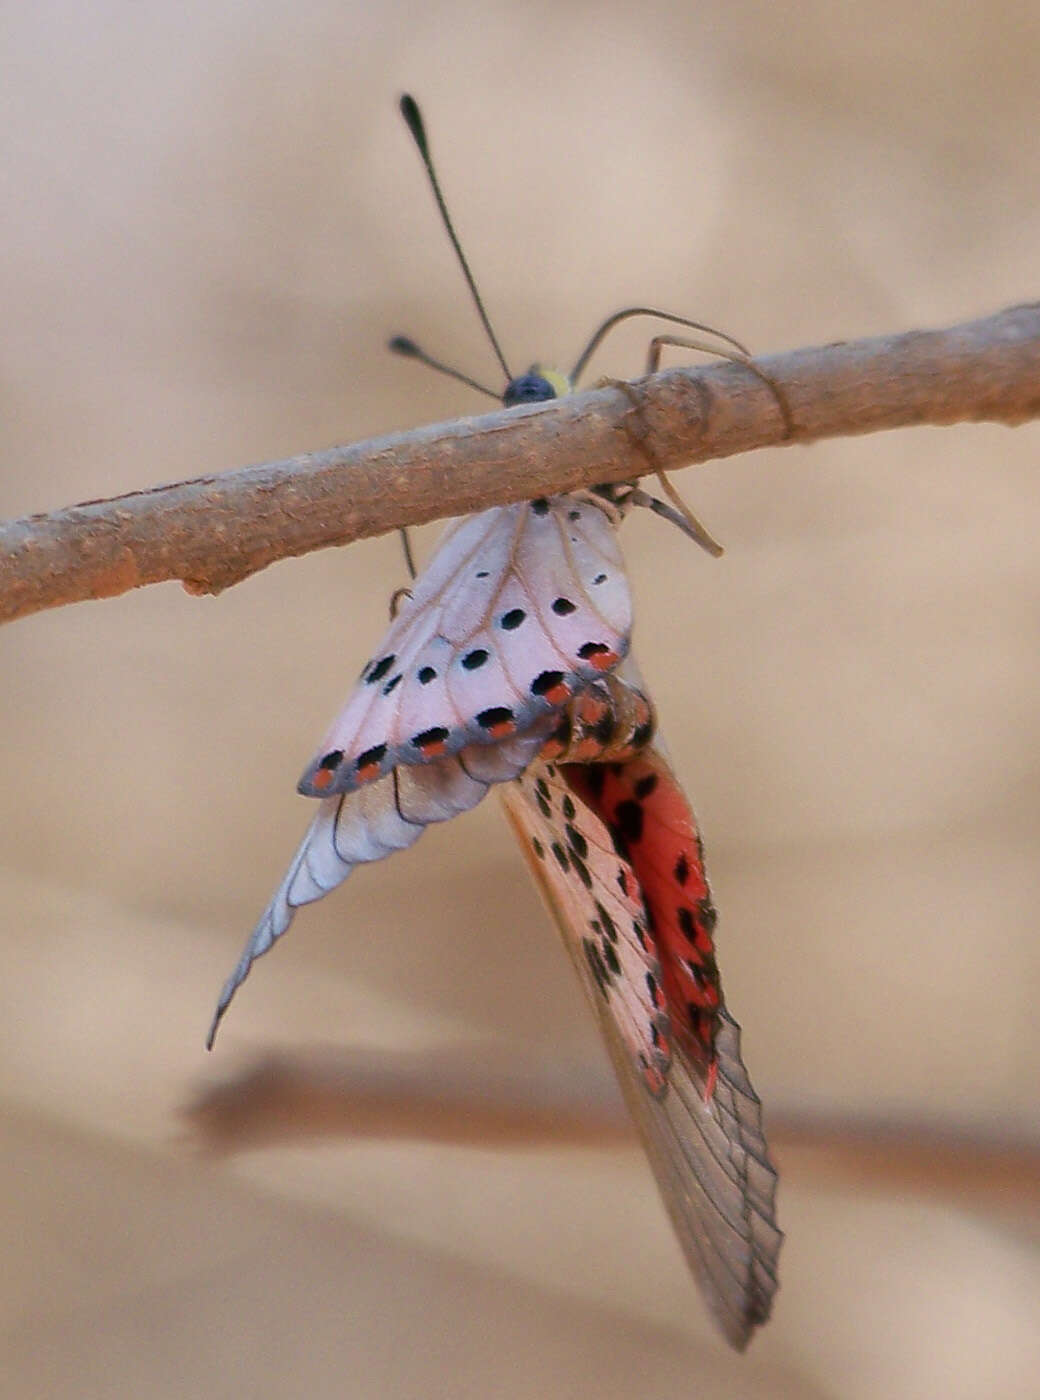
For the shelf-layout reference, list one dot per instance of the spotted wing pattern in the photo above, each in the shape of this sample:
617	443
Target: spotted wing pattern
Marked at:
355	828
615	850
517	608
512	645
650	822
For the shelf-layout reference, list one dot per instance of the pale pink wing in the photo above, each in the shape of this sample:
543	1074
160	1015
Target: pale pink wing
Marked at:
518	606
358	827
698	1116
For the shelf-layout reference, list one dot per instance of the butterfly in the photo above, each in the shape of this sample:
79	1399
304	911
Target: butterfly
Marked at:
508	664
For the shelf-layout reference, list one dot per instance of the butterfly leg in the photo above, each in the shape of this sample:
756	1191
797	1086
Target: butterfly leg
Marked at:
653	361
640	433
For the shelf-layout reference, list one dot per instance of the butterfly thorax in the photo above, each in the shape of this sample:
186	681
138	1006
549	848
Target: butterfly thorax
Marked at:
540	385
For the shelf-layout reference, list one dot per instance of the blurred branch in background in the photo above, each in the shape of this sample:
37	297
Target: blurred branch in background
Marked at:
486	1096
214	531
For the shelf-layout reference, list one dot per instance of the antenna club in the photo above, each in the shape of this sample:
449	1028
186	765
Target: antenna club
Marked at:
414	122
401	345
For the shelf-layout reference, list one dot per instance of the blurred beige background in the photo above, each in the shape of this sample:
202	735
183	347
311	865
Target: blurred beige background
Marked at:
212	218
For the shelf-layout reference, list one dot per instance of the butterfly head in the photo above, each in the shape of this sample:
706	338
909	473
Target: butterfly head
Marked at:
538	385
541	385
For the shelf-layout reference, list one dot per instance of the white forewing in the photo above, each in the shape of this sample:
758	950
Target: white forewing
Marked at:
517	607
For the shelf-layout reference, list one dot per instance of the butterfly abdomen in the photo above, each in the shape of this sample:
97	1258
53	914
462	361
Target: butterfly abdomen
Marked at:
608	722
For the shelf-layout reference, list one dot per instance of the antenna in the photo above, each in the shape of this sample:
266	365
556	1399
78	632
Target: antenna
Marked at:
414	122
404	345
619	316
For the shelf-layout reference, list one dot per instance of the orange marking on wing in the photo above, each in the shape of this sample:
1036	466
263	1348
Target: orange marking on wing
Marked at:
587	750
591	709
500	730
322	779
366	774
558	694
433	749
604	660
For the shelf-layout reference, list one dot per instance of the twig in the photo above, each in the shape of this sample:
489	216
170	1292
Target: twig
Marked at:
214	531
501	1099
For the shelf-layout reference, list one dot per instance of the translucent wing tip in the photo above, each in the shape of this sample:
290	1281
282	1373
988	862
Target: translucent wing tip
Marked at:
211	1034
232	985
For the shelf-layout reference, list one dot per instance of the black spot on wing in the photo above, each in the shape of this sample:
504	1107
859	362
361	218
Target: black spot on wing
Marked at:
548	680
494	716
603	729
596	965
643	735
380	669
564	731
581	870
370	757
628	816
577	842
428	737
607	923
617	840
596	778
